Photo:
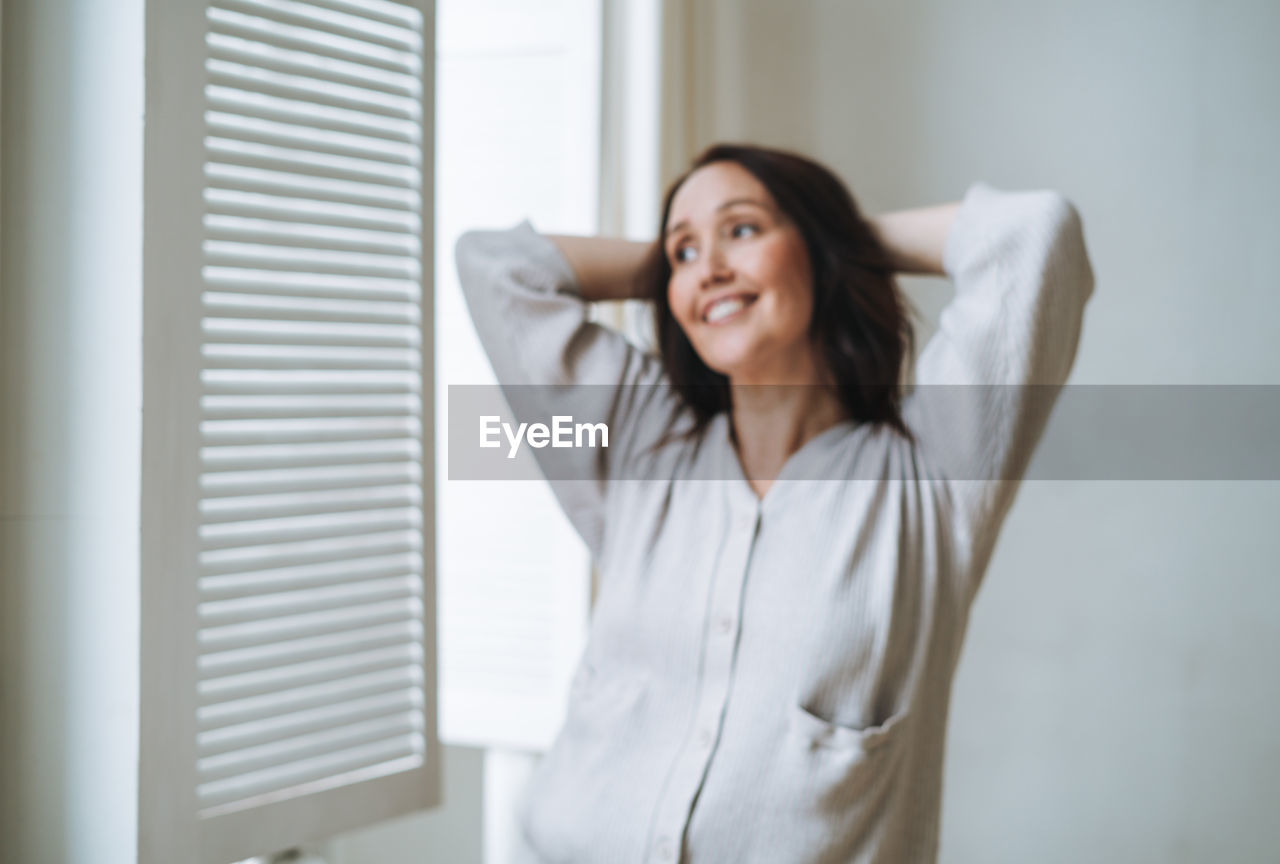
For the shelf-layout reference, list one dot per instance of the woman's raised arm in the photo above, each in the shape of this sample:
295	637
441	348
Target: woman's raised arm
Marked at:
528	300
987	380
606	267
915	239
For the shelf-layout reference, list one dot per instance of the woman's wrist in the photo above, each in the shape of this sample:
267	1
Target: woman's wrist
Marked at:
915	239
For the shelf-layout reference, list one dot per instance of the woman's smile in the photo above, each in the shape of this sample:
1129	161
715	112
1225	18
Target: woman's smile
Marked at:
725	310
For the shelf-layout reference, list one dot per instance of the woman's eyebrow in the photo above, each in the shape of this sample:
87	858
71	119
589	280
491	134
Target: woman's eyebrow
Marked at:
683	223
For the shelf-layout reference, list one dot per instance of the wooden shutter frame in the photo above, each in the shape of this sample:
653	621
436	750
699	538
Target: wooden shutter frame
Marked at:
169	827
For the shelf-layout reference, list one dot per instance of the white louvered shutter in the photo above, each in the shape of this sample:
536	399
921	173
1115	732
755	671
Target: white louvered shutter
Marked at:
288	558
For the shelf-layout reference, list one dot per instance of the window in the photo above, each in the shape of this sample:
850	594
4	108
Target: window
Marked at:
517	135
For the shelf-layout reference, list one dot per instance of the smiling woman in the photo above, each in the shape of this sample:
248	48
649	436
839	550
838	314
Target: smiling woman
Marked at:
772	298
782	232
785	646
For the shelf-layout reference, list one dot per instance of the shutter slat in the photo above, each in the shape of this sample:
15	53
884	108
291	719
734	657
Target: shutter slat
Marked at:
301	503
311	15
284	208
298	137
234	432
268	56
289	147
227	738
310	163
302	746
301	233
330	572
316	285
243	356
260	681
268	556
243	660
245	636
357	405
231	22
274	308
314	626
396	754
317	455
309	381
308	332
256	79
307	479
268	705
257	607
299	112
251	179
378	10
247	506
356	263
291	529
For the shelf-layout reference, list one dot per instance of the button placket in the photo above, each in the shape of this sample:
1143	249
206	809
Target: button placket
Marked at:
718	653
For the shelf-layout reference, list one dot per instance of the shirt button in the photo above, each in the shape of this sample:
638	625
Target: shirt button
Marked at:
666	849
724	625
704	738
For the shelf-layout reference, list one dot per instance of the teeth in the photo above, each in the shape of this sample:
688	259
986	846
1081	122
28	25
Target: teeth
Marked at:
724	309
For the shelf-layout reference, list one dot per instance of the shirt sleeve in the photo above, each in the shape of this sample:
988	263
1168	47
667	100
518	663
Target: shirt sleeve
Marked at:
987	380
550	360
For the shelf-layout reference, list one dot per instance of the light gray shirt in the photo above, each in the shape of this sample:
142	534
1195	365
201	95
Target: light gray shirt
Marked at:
767	680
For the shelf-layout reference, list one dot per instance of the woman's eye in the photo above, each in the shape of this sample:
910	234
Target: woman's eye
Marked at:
679	253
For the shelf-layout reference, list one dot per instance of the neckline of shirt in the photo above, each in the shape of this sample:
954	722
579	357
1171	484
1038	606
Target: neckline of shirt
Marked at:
742	494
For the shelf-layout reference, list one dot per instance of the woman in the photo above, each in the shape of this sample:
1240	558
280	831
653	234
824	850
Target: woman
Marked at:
769	663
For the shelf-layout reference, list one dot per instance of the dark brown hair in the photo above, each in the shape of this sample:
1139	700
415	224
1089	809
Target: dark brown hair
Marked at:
860	321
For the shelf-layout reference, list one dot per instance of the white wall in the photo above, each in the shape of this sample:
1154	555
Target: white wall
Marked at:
70	413
1116	699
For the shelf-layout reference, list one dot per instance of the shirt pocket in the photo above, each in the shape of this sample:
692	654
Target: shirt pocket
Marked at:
831	785
577	788
864	744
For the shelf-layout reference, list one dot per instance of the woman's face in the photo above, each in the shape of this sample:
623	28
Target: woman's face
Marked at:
741	282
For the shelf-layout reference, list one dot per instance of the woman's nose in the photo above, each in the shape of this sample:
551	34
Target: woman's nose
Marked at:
714	267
